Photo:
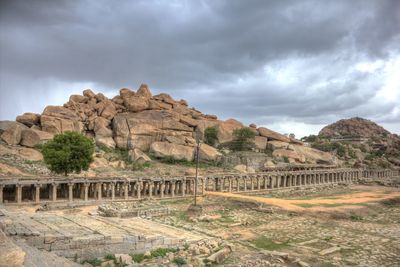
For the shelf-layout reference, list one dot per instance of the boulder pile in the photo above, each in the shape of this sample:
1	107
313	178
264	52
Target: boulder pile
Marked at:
143	123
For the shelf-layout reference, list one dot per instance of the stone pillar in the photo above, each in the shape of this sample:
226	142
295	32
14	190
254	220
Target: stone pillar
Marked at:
173	189
272	181
1	193
237	184
163	188
251	183
183	187
230	184
258	184
18	195
70	195
37	194
54	192
139	189
126	191
86	192
112	184
151	186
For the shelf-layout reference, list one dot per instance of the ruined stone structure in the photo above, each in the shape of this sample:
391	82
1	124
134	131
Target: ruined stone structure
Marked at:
81	190
280	179
74	190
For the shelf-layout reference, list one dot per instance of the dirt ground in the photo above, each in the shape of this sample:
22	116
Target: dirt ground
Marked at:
347	226
296	205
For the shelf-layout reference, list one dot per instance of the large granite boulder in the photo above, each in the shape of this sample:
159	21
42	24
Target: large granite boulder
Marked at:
29	119
166	149
12	135
57	119
260	142
271	135
209	153
273	145
139	156
282	153
226	128
32	137
315	155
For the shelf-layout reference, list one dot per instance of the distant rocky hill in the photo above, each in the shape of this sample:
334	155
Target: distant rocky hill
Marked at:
353	127
144	125
359	142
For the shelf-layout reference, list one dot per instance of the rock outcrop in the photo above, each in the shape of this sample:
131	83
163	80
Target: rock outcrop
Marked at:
143	123
353	127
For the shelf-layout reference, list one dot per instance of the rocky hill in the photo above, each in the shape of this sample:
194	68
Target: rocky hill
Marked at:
145	127
353	127
359	142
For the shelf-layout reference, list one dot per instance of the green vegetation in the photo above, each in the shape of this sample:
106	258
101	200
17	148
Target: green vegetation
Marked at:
68	152
355	217
137	257
110	257
173	161
180	261
210	136
94	262
310	139
266	243
161	252
286	159
136	166
242	140
329	147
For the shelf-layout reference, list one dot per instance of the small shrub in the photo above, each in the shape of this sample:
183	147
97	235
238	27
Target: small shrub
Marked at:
266	243
286	159
137	257
355	217
211	136
110	257
94	262
180	261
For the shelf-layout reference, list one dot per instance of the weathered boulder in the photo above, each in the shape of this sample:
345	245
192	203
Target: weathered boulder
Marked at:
89	93
289	155
164	98
273	135
260	142
57	125
165	149
4	125
226	128
103	132
315	155
277	145
219	256
142	142
144	91
269	164
109	110
12	135
100	122
209	153
29	119
78	98
106	141
57	119
180	140
98	163
244	169
139	156
31	137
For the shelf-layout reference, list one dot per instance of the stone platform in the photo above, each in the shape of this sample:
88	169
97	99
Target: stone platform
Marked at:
83	236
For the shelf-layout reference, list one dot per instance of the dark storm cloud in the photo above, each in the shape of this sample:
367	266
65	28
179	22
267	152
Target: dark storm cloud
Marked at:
223	56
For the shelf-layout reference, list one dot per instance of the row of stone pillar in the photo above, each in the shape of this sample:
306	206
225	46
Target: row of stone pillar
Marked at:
114	190
259	182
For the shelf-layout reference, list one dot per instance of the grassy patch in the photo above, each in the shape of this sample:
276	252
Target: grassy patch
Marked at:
94	262
161	252
137	257
180	261
268	244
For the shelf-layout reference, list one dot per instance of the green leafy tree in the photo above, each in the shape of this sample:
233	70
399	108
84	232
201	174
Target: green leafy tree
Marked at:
68	152
211	136
242	139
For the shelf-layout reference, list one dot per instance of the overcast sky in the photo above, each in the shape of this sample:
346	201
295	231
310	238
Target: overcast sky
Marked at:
293	66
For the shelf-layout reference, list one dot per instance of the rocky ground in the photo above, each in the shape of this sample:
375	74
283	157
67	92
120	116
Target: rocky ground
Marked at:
232	232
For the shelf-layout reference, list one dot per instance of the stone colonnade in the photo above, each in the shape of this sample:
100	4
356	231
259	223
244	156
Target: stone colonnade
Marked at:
28	190
277	180
385	173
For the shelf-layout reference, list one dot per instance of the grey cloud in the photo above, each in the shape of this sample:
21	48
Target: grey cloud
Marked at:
200	50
